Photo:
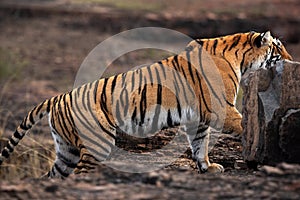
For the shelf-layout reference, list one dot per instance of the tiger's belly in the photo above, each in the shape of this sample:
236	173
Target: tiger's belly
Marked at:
146	125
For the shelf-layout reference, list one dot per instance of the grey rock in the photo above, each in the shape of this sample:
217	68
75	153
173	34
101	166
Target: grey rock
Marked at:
271	115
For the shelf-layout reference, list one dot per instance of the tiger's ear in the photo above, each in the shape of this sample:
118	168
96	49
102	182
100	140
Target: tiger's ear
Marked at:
263	39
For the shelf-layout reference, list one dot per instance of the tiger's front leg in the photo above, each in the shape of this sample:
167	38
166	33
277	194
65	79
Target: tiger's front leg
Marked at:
233	122
199	138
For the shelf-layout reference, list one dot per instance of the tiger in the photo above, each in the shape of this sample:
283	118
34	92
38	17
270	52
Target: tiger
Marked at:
173	92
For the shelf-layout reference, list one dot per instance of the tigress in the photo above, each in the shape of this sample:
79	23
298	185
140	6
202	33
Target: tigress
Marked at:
174	92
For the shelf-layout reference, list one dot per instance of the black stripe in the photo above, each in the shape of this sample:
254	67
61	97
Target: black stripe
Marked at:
199	42
184	91
143	104
175	63
159	88
182	71
224	41
23	126
113	84
203	98
68	108
121	97
177	90
234	84
88	155
133	116
84	95
126	103
169	119
118	114
123	79
53	172
60	170
175	82
10	148
95	91
229	103
48	106
207	42
74	151
60	119
5	153
86	164
31	117
243	60
39	107
67	113
190	66
215	46
132	81
178	107
231	68
200	106
156	118
103	104
159	101
18	135
225	49
150	75
55	100
140	81
236	53
163	69
197	139
66	161
13	142
236	41
70	117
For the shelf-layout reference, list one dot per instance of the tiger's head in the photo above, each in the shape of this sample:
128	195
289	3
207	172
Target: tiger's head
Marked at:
244	51
264	52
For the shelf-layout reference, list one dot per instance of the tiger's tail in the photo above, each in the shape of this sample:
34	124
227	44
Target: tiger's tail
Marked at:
35	115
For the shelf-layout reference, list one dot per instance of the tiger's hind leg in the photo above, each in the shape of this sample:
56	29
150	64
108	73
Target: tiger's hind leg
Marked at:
87	162
67	157
198	137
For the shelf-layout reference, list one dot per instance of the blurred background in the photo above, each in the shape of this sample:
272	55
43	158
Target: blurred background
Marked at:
43	43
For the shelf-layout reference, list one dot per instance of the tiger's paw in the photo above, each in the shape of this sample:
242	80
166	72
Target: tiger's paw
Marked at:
215	168
210	167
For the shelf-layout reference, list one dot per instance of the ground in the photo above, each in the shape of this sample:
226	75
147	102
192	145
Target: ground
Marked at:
42	45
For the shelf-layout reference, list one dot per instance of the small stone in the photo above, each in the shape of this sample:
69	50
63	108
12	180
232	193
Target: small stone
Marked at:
289	167
240	164
273	171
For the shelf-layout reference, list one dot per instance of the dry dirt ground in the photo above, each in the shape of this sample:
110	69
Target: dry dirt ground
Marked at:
42	45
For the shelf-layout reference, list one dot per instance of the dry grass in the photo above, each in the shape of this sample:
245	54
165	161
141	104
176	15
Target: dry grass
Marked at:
30	159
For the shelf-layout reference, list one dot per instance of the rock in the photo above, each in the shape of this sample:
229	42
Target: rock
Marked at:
271	115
